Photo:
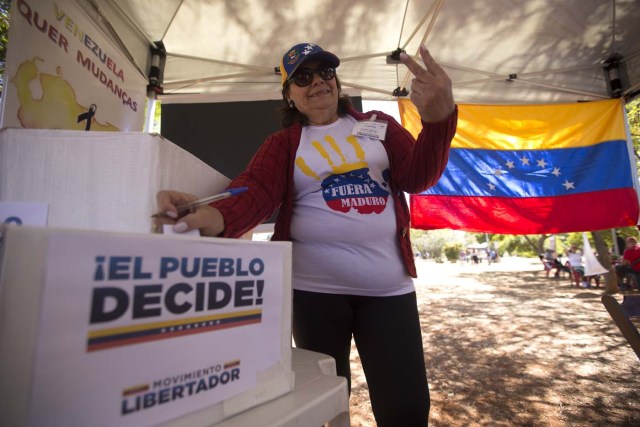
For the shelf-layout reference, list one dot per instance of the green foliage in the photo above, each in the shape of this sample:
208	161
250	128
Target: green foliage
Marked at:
633	115
452	251
564	241
156	118
511	244
5	6
433	242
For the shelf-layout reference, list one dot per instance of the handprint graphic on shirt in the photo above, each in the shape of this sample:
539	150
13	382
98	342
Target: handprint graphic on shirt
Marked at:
349	186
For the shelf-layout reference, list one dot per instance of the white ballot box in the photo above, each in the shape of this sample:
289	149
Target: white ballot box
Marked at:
124	329
98	180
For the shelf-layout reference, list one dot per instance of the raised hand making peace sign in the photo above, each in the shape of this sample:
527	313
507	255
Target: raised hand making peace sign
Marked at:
431	88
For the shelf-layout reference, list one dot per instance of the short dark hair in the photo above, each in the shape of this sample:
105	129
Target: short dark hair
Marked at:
290	115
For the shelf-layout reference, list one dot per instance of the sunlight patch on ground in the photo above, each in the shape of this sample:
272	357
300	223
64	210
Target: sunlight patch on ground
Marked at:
505	346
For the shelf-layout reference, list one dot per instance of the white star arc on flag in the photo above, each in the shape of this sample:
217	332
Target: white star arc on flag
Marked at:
546	171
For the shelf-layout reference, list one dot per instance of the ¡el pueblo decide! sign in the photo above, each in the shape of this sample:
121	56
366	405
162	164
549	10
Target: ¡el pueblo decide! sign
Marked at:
137	330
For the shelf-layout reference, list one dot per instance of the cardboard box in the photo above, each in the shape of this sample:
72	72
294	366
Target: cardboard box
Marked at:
98	180
110	329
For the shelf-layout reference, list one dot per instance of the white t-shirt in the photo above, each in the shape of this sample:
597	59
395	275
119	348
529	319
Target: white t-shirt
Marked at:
575	259
344	226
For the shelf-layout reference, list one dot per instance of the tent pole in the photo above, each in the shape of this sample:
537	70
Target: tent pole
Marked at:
119	10
117	38
613	27
559	70
166	30
470	70
479	81
219	61
422	21
632	88
424	39
632	56
168	85
372	89
562	89
357	58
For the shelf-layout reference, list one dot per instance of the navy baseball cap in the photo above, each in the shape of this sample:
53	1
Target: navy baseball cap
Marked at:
300	53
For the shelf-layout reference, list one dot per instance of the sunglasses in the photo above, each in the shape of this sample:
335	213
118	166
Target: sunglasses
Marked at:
304	76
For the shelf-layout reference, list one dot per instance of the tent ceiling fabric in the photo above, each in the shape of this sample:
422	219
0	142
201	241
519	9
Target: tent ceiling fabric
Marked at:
556	47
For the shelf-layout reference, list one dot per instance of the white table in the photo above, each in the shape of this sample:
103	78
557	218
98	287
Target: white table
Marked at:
319	397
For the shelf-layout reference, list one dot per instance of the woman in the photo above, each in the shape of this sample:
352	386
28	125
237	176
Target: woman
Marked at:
575	264
338	178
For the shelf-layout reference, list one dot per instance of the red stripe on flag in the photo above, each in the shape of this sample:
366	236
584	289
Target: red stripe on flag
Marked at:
529	215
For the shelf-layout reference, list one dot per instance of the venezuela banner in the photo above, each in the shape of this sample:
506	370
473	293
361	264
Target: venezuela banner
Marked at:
530	169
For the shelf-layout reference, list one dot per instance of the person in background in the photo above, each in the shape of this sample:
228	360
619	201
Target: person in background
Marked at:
630	263
493	256
574	257
547	261
340	193
559	266
474	256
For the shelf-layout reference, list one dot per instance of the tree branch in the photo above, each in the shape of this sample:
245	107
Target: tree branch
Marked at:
535	248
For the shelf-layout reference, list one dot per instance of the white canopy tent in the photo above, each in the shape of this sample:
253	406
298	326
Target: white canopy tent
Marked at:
496	51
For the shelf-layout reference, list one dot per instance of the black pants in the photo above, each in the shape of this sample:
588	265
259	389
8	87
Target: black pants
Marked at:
387	333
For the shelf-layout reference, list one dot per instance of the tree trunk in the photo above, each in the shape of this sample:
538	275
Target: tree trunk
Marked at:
543	238
611	283
535	248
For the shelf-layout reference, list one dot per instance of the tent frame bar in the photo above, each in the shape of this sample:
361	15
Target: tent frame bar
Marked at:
436	12
420	24
190	82
166	30
360	57
560	88
219	61
369	88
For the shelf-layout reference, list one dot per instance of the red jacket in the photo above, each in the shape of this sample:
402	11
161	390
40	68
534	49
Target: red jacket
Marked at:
414	166
633	256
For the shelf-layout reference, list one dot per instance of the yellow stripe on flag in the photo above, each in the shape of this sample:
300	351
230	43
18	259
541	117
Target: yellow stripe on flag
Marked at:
529	127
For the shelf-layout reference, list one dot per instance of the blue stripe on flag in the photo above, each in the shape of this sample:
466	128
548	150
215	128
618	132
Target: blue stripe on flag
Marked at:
535	173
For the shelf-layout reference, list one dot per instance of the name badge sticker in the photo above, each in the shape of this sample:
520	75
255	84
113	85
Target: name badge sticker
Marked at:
376	129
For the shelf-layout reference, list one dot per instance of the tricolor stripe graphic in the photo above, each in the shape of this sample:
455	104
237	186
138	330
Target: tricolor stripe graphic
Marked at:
116	337
135	389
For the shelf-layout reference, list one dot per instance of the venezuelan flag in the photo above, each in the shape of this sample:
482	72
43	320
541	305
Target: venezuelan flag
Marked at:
532	169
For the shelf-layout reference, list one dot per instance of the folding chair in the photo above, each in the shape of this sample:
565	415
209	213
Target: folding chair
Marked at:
622	315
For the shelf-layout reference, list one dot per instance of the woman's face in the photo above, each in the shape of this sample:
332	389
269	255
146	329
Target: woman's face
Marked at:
318	97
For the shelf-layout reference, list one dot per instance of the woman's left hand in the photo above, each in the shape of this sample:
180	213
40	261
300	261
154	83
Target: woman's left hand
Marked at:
431	88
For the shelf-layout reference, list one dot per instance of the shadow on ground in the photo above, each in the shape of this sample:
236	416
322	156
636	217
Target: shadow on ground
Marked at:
510	348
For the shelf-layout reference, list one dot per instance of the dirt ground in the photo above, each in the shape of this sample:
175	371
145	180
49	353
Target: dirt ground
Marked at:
506	346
